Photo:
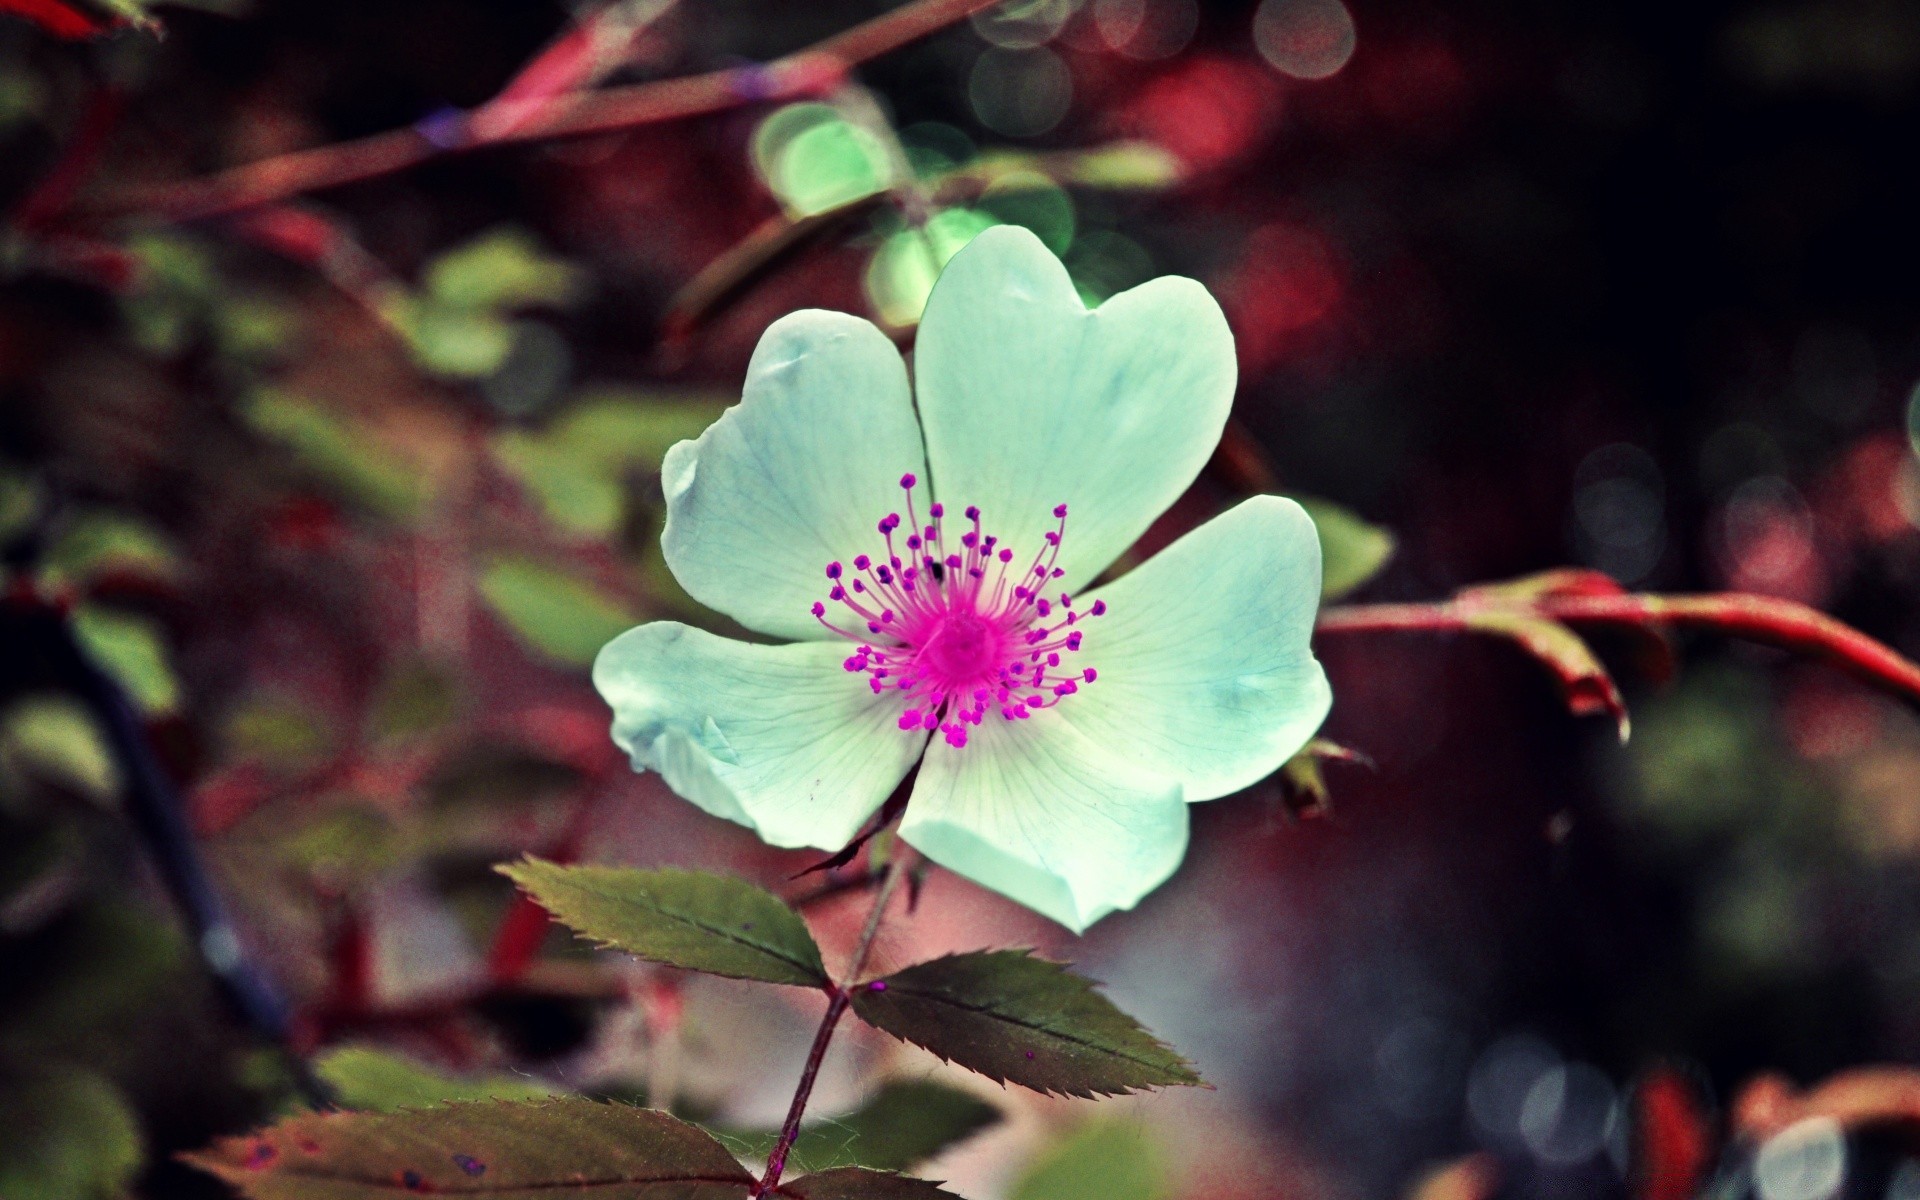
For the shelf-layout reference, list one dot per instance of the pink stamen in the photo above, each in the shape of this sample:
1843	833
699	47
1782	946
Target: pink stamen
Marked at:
958	643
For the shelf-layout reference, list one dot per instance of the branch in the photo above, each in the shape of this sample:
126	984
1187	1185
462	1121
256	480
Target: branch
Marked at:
839	996
812	71
1540	613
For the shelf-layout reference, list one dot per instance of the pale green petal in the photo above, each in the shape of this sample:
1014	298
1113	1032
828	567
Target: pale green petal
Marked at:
1034	811
1030	400
778	738
1206	672
794	476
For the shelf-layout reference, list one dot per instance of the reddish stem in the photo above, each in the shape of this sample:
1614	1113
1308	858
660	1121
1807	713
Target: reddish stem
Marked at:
1769	620
810	71
839	996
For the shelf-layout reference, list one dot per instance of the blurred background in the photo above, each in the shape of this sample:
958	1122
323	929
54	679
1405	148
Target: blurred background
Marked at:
347	487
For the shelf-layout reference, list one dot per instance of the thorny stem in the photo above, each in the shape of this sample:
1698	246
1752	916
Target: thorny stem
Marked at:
839	996
812	71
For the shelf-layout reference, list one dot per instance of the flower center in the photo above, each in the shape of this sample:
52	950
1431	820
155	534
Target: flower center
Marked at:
958	627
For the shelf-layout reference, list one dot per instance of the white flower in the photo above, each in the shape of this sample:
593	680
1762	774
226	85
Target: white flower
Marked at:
1073	730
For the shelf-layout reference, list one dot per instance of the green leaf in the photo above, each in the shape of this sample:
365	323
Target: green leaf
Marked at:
702	922
1123	166
54	738
66	1135
131	651
1102	1160
901	274
577	467
456	343
558	614
349	458
369	1078
1020	1019
560	1147
502	270
854	1183
904	1123
101	541
1352	550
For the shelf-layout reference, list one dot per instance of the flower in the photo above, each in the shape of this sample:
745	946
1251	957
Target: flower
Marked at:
927	566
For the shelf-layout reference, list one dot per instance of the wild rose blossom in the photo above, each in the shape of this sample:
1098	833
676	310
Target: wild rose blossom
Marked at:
927	567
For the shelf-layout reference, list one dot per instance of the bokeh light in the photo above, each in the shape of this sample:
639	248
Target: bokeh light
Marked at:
1619	508
1307	39
1146	29
1805	1161
900	275
1023	24
1569	1114
814	159
1020	93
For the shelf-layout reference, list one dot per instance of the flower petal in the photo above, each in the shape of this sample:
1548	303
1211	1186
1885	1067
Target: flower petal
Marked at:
778	738
1031	400
794	476
1206	668
1034	811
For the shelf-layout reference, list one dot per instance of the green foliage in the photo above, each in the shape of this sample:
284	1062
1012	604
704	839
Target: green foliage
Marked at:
482	1148
53	738
567	1146
1020	1019
180	299
814	159
129	649
905	1123
276	731
576	469
1124	166
562	616
339	452
501	270
65	1134
855	1183
459	325
366	1077
901	274
1102	1160
689	919
415	698
99	541
1352	550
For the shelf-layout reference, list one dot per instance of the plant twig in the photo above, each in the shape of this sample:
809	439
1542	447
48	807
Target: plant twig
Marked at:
839	996
812	71
1769	620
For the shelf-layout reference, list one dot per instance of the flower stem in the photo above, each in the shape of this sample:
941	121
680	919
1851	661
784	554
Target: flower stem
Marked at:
839	996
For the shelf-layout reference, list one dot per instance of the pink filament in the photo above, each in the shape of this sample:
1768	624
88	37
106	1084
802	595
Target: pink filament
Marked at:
954	627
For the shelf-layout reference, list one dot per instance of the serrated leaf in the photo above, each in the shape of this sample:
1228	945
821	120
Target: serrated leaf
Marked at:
1102	1160
689	919
366	1077
1020	1019
565	1147
1352	550
66	1135
855	1183
560	615
904	1123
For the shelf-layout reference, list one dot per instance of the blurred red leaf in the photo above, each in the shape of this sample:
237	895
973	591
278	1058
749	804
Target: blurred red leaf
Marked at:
62	20
1673	1145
